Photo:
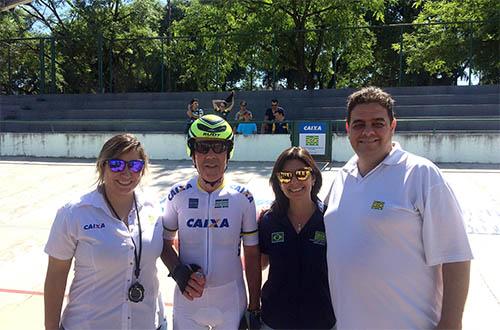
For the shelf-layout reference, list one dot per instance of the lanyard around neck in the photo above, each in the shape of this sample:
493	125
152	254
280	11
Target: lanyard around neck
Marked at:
137	256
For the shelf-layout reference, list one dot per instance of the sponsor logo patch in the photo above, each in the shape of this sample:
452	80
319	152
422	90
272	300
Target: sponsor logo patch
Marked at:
278	237
319	238
377	205
221	203
243	191
177	190
94	226
193	203
312	140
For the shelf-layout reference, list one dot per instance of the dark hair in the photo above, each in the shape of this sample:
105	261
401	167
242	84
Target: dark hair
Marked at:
370	95
114	147
193	100
243	102
274	101
281	203
280	111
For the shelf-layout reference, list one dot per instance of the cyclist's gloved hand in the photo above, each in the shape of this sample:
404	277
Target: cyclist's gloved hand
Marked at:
182	274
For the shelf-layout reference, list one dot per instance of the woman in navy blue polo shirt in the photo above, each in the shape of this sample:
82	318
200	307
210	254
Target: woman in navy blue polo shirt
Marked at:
293	242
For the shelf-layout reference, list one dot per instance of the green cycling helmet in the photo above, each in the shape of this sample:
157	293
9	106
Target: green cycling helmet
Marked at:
210	127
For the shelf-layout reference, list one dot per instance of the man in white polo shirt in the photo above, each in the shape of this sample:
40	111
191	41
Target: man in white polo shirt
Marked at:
398	254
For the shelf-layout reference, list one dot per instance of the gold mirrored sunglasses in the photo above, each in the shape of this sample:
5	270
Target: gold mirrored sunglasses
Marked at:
301	174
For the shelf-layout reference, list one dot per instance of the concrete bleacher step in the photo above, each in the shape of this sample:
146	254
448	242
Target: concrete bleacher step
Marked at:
98	114
411	102
404	111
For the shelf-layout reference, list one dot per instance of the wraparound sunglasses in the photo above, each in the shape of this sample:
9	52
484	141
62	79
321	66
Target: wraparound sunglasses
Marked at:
204	147
118	165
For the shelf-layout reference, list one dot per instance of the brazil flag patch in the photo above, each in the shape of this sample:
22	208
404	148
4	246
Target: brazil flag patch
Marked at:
278	237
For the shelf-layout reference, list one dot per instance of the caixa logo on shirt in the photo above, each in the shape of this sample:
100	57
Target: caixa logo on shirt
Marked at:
93	226
207	223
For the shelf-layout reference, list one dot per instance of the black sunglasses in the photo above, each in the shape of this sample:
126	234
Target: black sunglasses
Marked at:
118	165
203	147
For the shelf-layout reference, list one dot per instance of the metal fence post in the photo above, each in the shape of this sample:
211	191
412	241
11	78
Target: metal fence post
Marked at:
217	57
111	44
99	63
9	66
162	67
52	65
400	79
42	65
274	60
470	53
169	53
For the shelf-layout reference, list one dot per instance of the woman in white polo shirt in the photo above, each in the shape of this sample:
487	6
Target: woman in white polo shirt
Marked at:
113	235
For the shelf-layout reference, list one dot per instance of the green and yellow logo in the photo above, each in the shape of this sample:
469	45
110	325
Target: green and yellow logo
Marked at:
278	237
319	238
377	205
312	140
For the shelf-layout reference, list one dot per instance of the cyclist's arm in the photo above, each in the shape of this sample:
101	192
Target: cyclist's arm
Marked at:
169	255
253	275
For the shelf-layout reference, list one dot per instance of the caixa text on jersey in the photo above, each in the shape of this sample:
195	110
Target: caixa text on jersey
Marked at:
207	223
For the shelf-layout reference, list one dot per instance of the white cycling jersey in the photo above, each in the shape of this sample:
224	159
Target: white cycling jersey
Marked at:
210	227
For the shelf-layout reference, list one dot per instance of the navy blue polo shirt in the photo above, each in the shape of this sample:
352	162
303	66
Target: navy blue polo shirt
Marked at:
296	294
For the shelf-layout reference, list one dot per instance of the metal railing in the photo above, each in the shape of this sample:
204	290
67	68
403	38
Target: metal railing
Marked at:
159	64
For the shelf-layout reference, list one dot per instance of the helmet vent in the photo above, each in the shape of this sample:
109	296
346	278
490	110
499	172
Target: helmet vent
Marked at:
206	128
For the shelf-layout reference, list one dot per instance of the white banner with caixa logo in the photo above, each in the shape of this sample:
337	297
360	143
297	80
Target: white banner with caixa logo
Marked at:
312	136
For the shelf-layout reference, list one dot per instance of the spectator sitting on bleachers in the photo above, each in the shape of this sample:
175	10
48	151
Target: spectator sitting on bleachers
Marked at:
246	127
267	125
279	125
193	112
243	110
223	107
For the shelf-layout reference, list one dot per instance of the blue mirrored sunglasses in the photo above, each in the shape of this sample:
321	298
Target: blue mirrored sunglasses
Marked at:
118	165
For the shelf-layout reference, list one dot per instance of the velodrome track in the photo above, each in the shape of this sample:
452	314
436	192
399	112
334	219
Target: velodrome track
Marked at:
33	189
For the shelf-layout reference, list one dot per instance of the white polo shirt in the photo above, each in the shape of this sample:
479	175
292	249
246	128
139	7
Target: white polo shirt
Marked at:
388	234
104	264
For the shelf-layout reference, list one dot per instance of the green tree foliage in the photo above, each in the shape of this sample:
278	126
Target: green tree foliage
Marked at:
81	28
299	43
156	45
447	51
388	63
19	65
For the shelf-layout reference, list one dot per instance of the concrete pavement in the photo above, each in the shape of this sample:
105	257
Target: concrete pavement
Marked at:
33	189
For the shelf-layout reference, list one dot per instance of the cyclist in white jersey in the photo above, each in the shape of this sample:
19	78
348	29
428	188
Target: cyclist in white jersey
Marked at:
211	217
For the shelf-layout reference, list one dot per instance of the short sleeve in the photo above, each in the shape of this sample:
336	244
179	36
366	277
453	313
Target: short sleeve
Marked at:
444	235
169	220
264	248
63	236
249	224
